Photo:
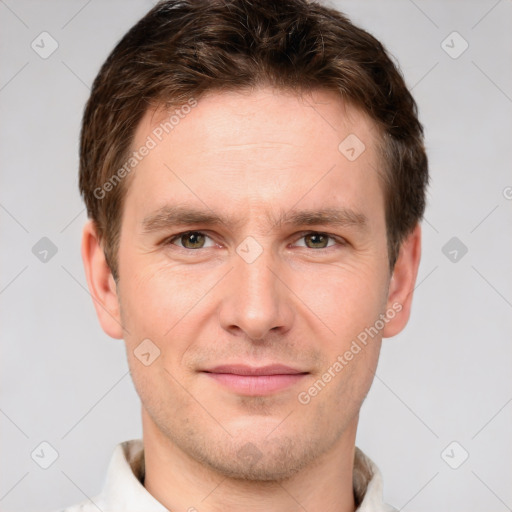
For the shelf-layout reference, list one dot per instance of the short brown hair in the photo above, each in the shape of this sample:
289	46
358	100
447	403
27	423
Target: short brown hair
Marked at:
184	48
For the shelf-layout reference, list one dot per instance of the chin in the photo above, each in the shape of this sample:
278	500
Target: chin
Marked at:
259	460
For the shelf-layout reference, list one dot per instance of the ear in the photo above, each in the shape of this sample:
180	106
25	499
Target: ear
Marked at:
402	283
101	283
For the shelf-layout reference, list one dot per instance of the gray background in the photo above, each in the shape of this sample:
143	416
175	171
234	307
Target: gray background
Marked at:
445	378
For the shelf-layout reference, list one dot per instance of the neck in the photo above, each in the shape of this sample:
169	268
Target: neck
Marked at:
180	482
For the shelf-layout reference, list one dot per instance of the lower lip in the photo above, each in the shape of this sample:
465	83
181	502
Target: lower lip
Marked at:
256	385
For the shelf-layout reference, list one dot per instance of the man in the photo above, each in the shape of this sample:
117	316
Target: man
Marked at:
254	174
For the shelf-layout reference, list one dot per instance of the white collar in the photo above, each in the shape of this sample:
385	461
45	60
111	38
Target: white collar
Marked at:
124	491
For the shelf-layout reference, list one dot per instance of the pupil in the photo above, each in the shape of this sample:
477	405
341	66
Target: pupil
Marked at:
317	239
193	239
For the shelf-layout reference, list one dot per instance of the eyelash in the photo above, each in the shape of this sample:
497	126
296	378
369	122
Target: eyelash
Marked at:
339	241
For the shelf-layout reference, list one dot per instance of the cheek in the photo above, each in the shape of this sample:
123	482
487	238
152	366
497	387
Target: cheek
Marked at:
154	309
335	396
357	375
166	305
346	300
158	296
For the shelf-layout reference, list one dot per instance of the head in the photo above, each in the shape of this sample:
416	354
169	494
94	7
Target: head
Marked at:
254	174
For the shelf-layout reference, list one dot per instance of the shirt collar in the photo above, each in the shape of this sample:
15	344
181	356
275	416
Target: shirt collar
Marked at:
125	492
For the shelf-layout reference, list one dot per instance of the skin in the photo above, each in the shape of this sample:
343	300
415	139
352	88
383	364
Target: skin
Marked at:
302	302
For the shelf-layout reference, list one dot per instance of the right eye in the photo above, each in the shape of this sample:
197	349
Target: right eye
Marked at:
190	240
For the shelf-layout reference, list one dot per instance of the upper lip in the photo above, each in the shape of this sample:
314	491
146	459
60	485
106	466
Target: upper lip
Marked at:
240	369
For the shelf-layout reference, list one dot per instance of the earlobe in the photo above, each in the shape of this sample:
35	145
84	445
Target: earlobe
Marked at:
101	283
402	283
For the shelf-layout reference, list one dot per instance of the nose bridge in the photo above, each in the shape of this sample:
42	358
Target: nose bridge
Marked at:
255	301
255	272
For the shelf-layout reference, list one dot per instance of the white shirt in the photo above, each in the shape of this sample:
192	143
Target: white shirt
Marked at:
124	492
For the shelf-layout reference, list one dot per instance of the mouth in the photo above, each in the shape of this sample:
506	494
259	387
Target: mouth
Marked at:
255	381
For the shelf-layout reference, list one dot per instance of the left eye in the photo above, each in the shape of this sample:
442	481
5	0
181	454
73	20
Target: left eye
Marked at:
317	240
197	240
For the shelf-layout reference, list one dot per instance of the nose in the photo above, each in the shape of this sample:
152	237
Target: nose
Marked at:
256	299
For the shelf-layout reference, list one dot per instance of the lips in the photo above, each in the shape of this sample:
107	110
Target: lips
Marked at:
255	381
240	369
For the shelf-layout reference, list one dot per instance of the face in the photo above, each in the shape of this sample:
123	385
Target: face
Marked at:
253	255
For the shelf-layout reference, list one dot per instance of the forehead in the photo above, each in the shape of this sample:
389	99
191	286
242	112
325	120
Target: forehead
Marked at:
243	116
256	148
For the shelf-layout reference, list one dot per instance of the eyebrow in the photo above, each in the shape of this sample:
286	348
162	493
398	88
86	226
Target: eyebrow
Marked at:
178	215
